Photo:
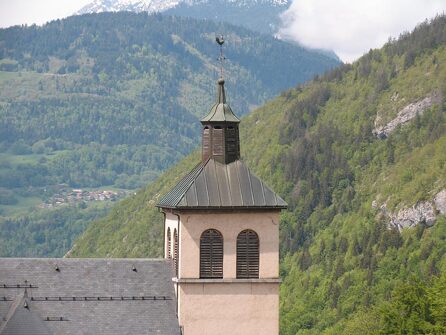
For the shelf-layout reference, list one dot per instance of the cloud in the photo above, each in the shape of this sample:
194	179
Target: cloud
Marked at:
352	27
14	12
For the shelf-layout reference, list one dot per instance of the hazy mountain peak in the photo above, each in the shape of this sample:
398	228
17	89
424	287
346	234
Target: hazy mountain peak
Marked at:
98	6
151	6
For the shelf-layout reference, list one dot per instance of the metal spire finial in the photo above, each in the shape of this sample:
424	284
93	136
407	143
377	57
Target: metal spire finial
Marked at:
220	41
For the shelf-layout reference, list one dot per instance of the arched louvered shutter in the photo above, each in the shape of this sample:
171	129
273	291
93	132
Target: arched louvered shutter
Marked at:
175	251
248	254
168	244
211	254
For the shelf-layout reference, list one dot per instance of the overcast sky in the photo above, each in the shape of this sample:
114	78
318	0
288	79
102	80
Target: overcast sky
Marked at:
349	27
352	27
14	12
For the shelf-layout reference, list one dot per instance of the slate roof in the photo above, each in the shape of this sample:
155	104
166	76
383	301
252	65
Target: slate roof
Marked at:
22	319
221	186
87	296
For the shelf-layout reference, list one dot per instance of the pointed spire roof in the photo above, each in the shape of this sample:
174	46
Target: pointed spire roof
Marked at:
220	111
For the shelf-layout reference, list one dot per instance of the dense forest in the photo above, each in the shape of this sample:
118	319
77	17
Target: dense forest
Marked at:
346	267
112	99
46	233
130	79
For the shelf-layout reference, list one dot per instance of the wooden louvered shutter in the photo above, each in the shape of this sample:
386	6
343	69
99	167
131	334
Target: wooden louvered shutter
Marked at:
211	254
206	143
168	246
247	254
217	141
231	140
175	251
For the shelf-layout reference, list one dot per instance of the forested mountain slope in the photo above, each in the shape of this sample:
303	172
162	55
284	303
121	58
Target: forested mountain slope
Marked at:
111	100
360	156
131	79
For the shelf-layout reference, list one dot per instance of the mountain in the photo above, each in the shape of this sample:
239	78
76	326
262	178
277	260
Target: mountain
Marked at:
105	102
359	154
257	15
150	6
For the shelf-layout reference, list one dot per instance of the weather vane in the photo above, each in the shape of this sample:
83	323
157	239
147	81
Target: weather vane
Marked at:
220	40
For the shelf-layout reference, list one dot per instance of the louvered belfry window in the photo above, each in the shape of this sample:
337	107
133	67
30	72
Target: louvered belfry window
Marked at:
211	254
206	143
175	251
248	254
217	141
231	140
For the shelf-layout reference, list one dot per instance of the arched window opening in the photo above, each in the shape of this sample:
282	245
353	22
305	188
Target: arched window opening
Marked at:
248	254
168	244
211	254
175	251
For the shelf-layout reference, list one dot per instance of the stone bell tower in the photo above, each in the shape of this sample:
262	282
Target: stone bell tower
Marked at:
222	233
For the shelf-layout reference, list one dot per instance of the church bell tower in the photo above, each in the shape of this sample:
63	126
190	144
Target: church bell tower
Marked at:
222	234
220	137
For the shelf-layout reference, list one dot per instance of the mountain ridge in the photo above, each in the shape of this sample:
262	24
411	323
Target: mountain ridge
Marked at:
258	15
153	6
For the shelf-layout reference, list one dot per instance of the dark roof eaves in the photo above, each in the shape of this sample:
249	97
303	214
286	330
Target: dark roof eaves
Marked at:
278	207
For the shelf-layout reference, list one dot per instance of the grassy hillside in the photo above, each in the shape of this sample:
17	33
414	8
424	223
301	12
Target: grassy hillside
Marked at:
345	270
109	101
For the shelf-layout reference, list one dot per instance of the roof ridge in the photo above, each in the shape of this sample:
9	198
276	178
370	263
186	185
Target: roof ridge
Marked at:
12	310
218	186
174	198
34	323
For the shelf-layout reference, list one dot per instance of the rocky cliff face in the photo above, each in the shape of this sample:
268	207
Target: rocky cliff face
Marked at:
425	212
405	115
440	202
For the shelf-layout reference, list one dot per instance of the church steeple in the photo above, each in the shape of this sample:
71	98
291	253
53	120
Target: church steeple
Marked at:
227	222
220	135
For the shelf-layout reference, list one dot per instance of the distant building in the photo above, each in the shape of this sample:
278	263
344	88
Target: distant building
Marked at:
221	248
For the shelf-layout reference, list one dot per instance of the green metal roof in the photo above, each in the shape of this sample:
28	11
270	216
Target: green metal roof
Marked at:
220	111
221	186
